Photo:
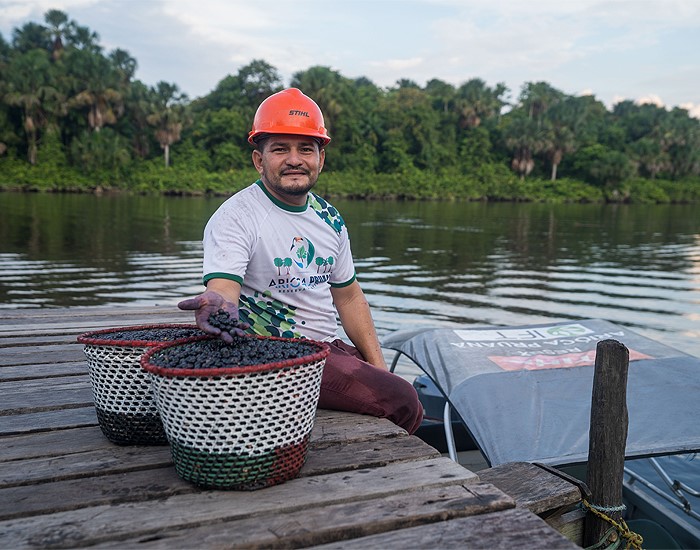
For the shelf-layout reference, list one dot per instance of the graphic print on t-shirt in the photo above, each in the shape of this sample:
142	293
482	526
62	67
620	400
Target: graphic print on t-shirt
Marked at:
302	251
267	316
300	268
326	212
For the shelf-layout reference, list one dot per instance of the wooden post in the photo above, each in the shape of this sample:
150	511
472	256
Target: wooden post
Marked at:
607	437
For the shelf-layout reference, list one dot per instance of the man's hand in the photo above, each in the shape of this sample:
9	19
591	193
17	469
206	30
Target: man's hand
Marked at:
208	303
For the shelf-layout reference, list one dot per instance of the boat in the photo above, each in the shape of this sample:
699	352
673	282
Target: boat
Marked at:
523	393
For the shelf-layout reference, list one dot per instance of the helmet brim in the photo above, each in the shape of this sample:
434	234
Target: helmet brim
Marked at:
254	137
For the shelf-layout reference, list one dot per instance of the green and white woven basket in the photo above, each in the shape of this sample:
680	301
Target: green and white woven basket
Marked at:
239	427
124	403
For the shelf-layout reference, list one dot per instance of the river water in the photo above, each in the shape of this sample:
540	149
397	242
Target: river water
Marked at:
419	263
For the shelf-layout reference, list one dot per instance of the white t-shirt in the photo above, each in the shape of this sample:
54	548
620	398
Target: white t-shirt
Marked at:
286	259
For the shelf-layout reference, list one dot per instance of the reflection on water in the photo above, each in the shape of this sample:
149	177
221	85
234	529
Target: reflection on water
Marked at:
419	263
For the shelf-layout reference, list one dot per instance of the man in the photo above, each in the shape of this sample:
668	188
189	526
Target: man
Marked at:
278	257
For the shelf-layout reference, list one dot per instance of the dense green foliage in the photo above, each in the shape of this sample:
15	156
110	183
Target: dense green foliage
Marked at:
74	118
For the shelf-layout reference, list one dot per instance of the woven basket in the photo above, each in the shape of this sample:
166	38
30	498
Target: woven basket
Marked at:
126	410
239	427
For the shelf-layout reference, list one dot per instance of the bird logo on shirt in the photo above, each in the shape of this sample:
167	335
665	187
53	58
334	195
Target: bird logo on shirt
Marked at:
302	252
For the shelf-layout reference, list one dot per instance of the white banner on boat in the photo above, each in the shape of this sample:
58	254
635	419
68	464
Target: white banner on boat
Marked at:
524	334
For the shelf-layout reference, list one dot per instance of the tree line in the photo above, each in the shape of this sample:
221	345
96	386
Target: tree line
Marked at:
73	116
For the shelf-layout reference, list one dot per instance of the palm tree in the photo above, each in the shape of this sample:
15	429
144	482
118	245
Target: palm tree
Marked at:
29	88
124	64
443	94
562	121
31	36
168	115
59	30
475	101
83	38
558	141
525	139
537	97
96	86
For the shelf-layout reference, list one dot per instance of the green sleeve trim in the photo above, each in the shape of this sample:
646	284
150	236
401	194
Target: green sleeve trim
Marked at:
341	285
209	276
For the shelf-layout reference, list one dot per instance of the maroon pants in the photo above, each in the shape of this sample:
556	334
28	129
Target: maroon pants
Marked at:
351	384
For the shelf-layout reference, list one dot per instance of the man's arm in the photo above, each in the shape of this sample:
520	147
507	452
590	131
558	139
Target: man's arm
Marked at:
227	289
357	322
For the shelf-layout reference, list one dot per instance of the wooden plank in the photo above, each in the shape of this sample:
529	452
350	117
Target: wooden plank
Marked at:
16	424
333	427
329	523
119	519
353	455
54	443
32	500
25	396
73	325
532	487
28	355
16	317
115	459
72	329
39	333
47	370
109	460
60	337
512	529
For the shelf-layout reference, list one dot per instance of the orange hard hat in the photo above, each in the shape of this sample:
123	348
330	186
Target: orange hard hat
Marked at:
289	112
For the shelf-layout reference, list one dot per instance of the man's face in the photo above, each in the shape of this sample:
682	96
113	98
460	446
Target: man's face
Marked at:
289	166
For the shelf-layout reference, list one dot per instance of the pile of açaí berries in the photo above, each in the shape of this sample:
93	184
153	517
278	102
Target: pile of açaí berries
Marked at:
153	334
243	351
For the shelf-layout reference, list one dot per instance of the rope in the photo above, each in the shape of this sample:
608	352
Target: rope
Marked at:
634	540
608	509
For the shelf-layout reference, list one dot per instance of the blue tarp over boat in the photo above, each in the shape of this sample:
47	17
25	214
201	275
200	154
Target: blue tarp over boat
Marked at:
524	392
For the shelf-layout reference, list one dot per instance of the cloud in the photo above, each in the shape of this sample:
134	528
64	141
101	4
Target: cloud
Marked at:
234	23
693	110
651	99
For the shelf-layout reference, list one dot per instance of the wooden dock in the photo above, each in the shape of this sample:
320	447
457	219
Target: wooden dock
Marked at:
366	483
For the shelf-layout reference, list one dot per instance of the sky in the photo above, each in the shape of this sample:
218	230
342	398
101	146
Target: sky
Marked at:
641	50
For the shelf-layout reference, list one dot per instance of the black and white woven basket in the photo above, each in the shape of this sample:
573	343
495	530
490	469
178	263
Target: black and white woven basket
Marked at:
239	427
126	410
